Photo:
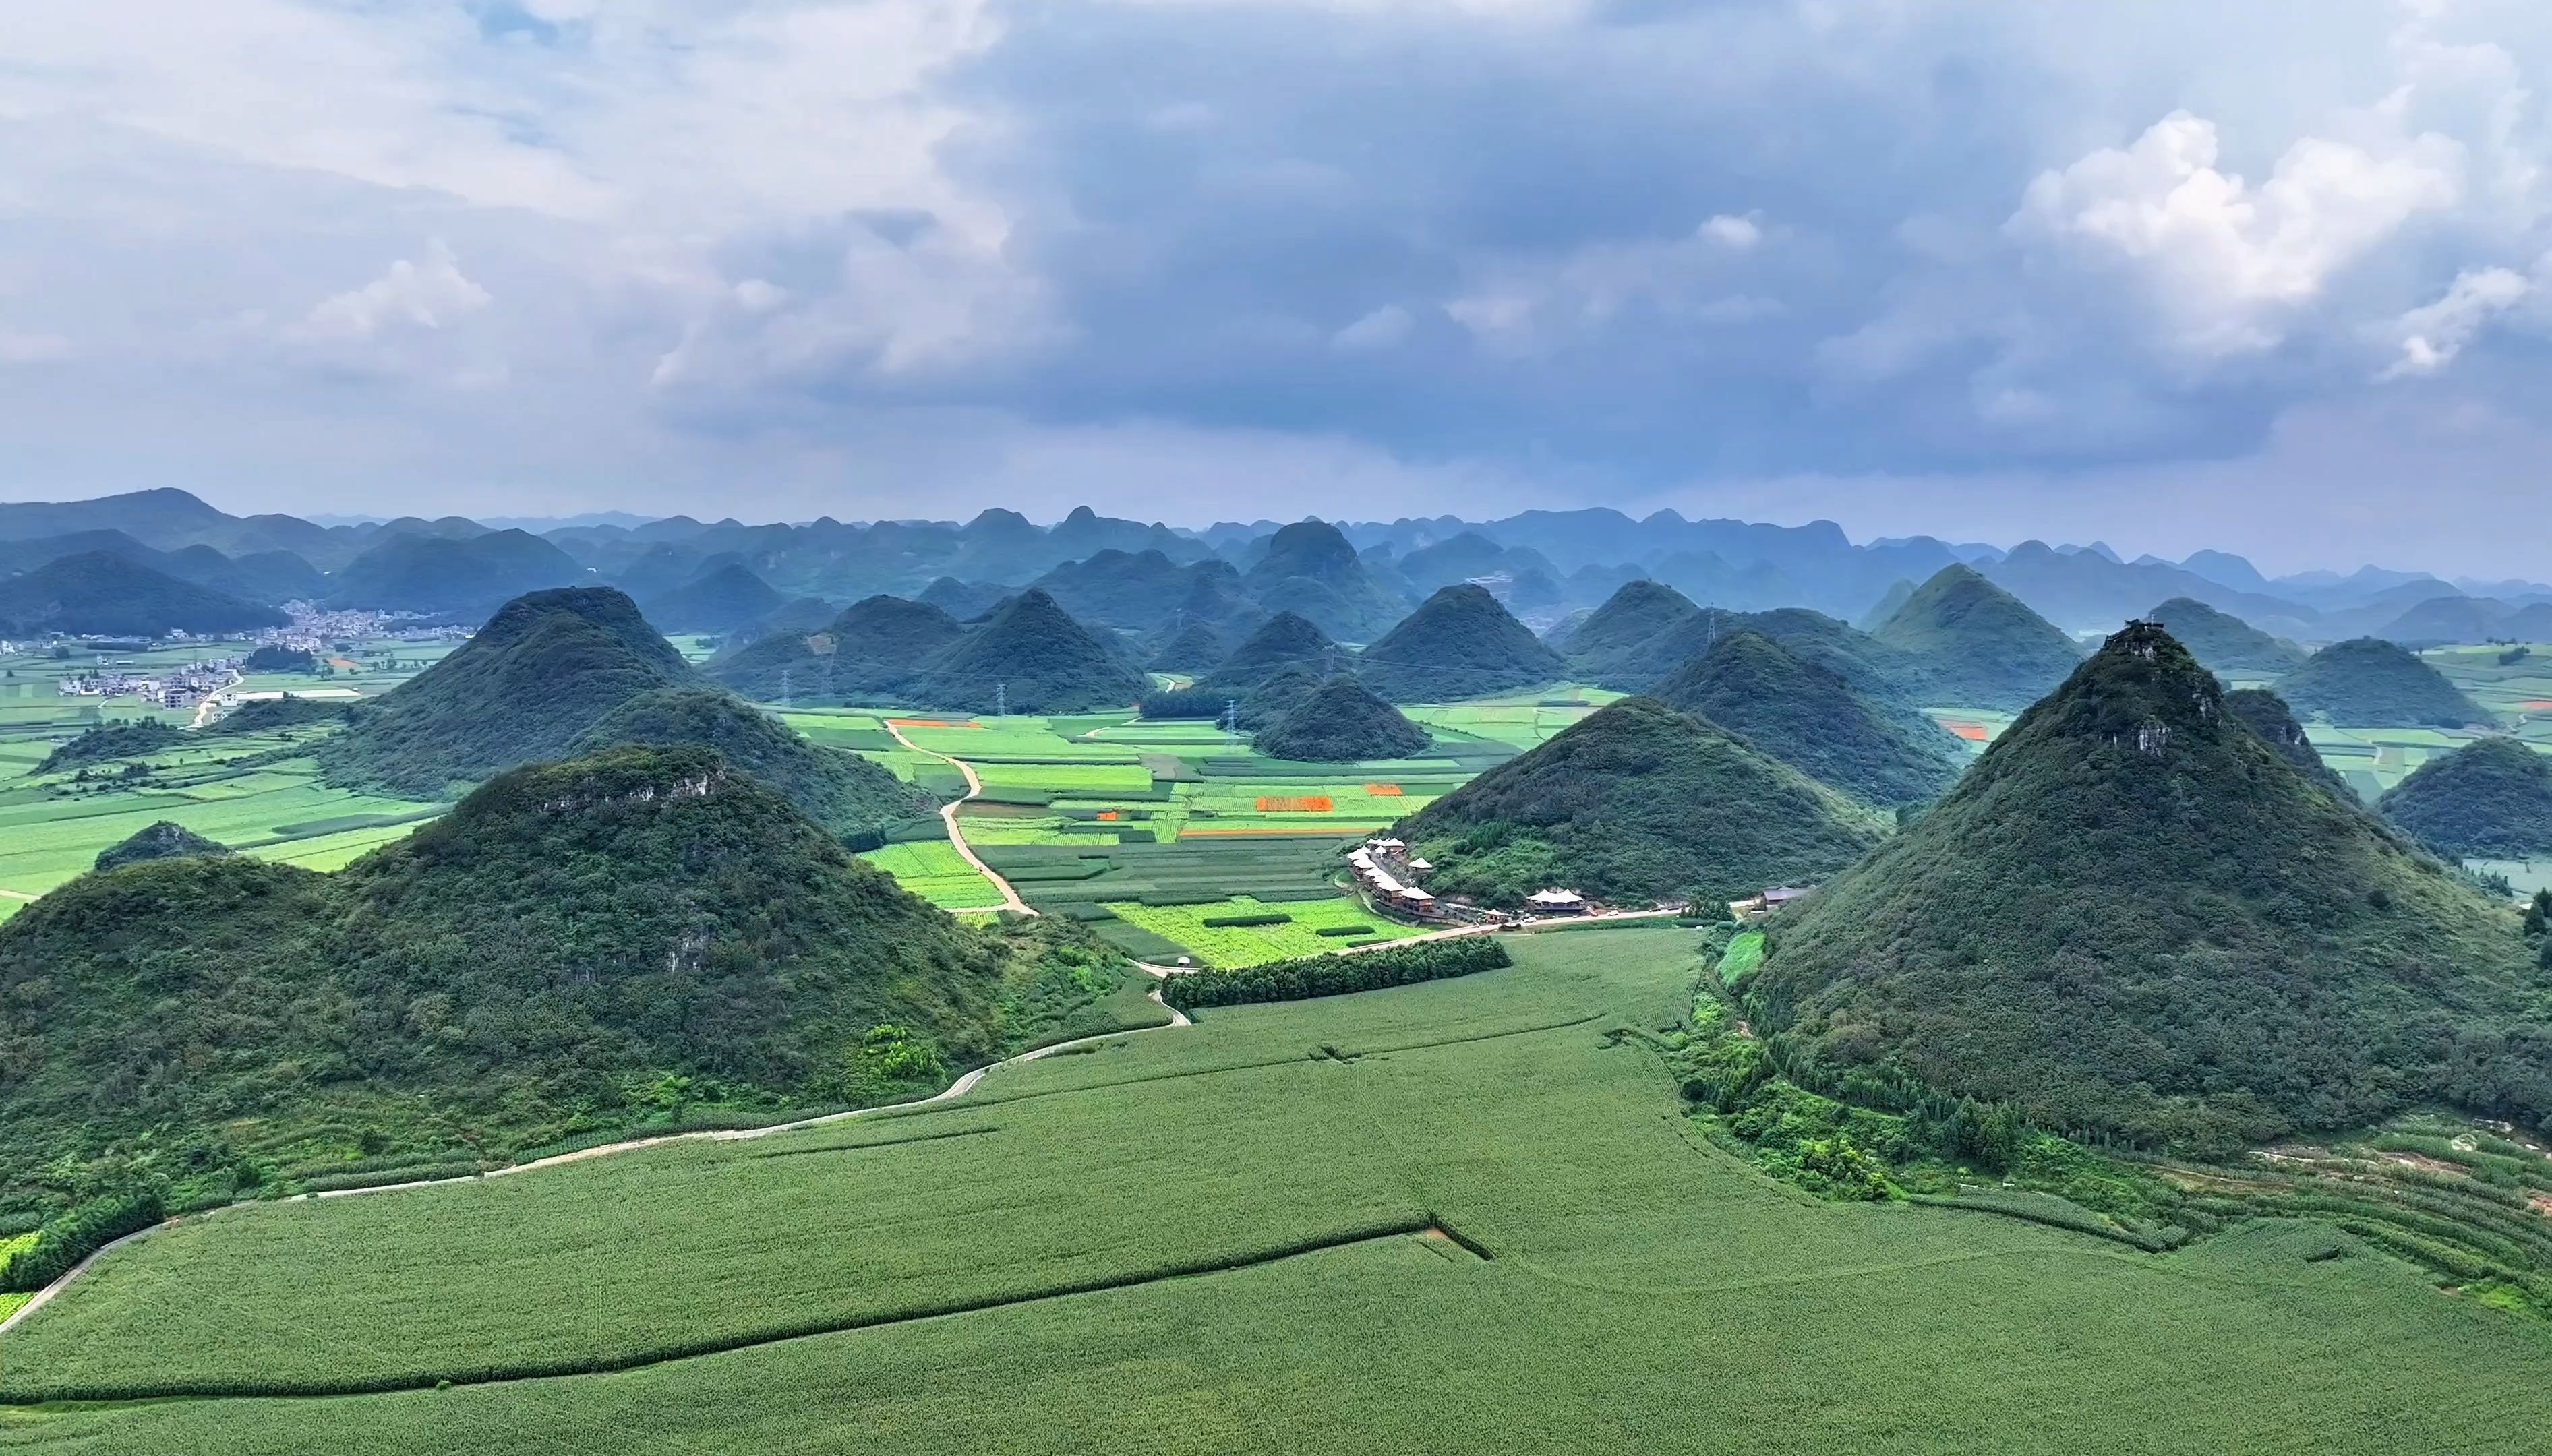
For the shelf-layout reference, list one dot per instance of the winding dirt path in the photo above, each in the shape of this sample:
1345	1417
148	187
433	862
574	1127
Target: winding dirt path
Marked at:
948	815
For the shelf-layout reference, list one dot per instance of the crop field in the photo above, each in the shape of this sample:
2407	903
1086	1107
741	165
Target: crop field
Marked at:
1310	928
1451	1218
934	870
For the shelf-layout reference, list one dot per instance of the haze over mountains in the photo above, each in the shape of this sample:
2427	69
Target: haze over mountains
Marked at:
1354	581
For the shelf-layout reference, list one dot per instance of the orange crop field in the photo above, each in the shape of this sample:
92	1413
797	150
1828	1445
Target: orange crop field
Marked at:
1972	732
1383	790
1293	803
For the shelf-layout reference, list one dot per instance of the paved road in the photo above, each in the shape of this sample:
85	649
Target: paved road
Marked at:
948	815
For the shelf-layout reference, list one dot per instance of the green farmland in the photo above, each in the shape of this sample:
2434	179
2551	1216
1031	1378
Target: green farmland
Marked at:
1605	1279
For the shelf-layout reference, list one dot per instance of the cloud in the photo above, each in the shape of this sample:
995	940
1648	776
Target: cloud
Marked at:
2432	333
31	348
1596	249
2222	264
414	295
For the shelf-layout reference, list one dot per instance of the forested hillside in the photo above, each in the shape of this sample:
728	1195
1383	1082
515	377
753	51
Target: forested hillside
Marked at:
2135	918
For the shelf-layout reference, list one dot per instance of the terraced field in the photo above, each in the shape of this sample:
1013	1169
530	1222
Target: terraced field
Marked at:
1454	1218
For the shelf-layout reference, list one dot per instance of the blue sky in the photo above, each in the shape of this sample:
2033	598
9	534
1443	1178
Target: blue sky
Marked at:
2270	276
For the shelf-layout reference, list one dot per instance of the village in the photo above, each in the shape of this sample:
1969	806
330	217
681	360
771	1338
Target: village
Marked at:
1387	877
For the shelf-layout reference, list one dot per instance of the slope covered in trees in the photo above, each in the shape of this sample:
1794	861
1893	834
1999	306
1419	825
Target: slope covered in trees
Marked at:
874	650
1260	681
1638	803
1812	720
1459	643
2368	682
1194	648
2133	917
1341	722
99	593
448	577
1972	644
1032	656
165	840
2267	715
2224	644
853	799
718	601
1614	645
1311	570
2489	800
572	945
547	667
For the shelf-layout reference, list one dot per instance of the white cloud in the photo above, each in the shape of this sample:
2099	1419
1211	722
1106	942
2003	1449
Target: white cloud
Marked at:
2431	335
417	295
1739	233
2224	265
1384	328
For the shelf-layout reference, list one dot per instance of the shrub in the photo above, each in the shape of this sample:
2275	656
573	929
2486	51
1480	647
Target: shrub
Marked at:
77	1232
1324	976
1224	921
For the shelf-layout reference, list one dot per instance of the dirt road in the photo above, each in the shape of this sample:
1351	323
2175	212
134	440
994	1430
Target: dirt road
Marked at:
948	815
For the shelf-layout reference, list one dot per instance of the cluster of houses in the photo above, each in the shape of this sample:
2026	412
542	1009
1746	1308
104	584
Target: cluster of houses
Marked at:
1391	876
175	688
1755	908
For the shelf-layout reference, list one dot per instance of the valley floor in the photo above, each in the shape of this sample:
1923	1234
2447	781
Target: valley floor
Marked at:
1264	1232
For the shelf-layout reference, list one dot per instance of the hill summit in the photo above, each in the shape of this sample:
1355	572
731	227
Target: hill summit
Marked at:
1312	571
1341	722
2111	923
2223	642
1459	643
1638	803
161	841
547	667
874	651
1031	656
2489	800
2368	682
1811	719
852	798
1972	644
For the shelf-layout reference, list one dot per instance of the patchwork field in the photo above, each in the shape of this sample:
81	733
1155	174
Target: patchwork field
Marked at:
1454	1218
1245	931
934	870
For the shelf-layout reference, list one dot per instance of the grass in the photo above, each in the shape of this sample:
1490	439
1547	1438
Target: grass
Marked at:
934	870
1635	1277
1233	946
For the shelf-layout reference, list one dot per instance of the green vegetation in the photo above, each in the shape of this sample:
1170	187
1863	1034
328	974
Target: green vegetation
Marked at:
1524	1110
1272	669
854	800
1638	803
1341	722
1312	572
1811	719
718	601
138	738
2370	682
1459	643
1329	976
872	653
2134	919
101	593
934	870
161	841
1196	648
2224	644
1032	658
282	660
76	1233
1639	634
579	946
1248	931
546	668
2267	715
272	714
2492	800
452	577
1968	641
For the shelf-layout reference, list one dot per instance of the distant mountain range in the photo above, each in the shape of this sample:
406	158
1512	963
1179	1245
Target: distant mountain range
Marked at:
1355	580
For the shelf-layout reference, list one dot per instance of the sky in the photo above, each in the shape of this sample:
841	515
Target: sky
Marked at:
2273	276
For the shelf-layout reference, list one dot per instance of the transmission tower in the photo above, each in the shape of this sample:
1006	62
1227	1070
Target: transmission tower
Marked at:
1001	700
1230	723
783	687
